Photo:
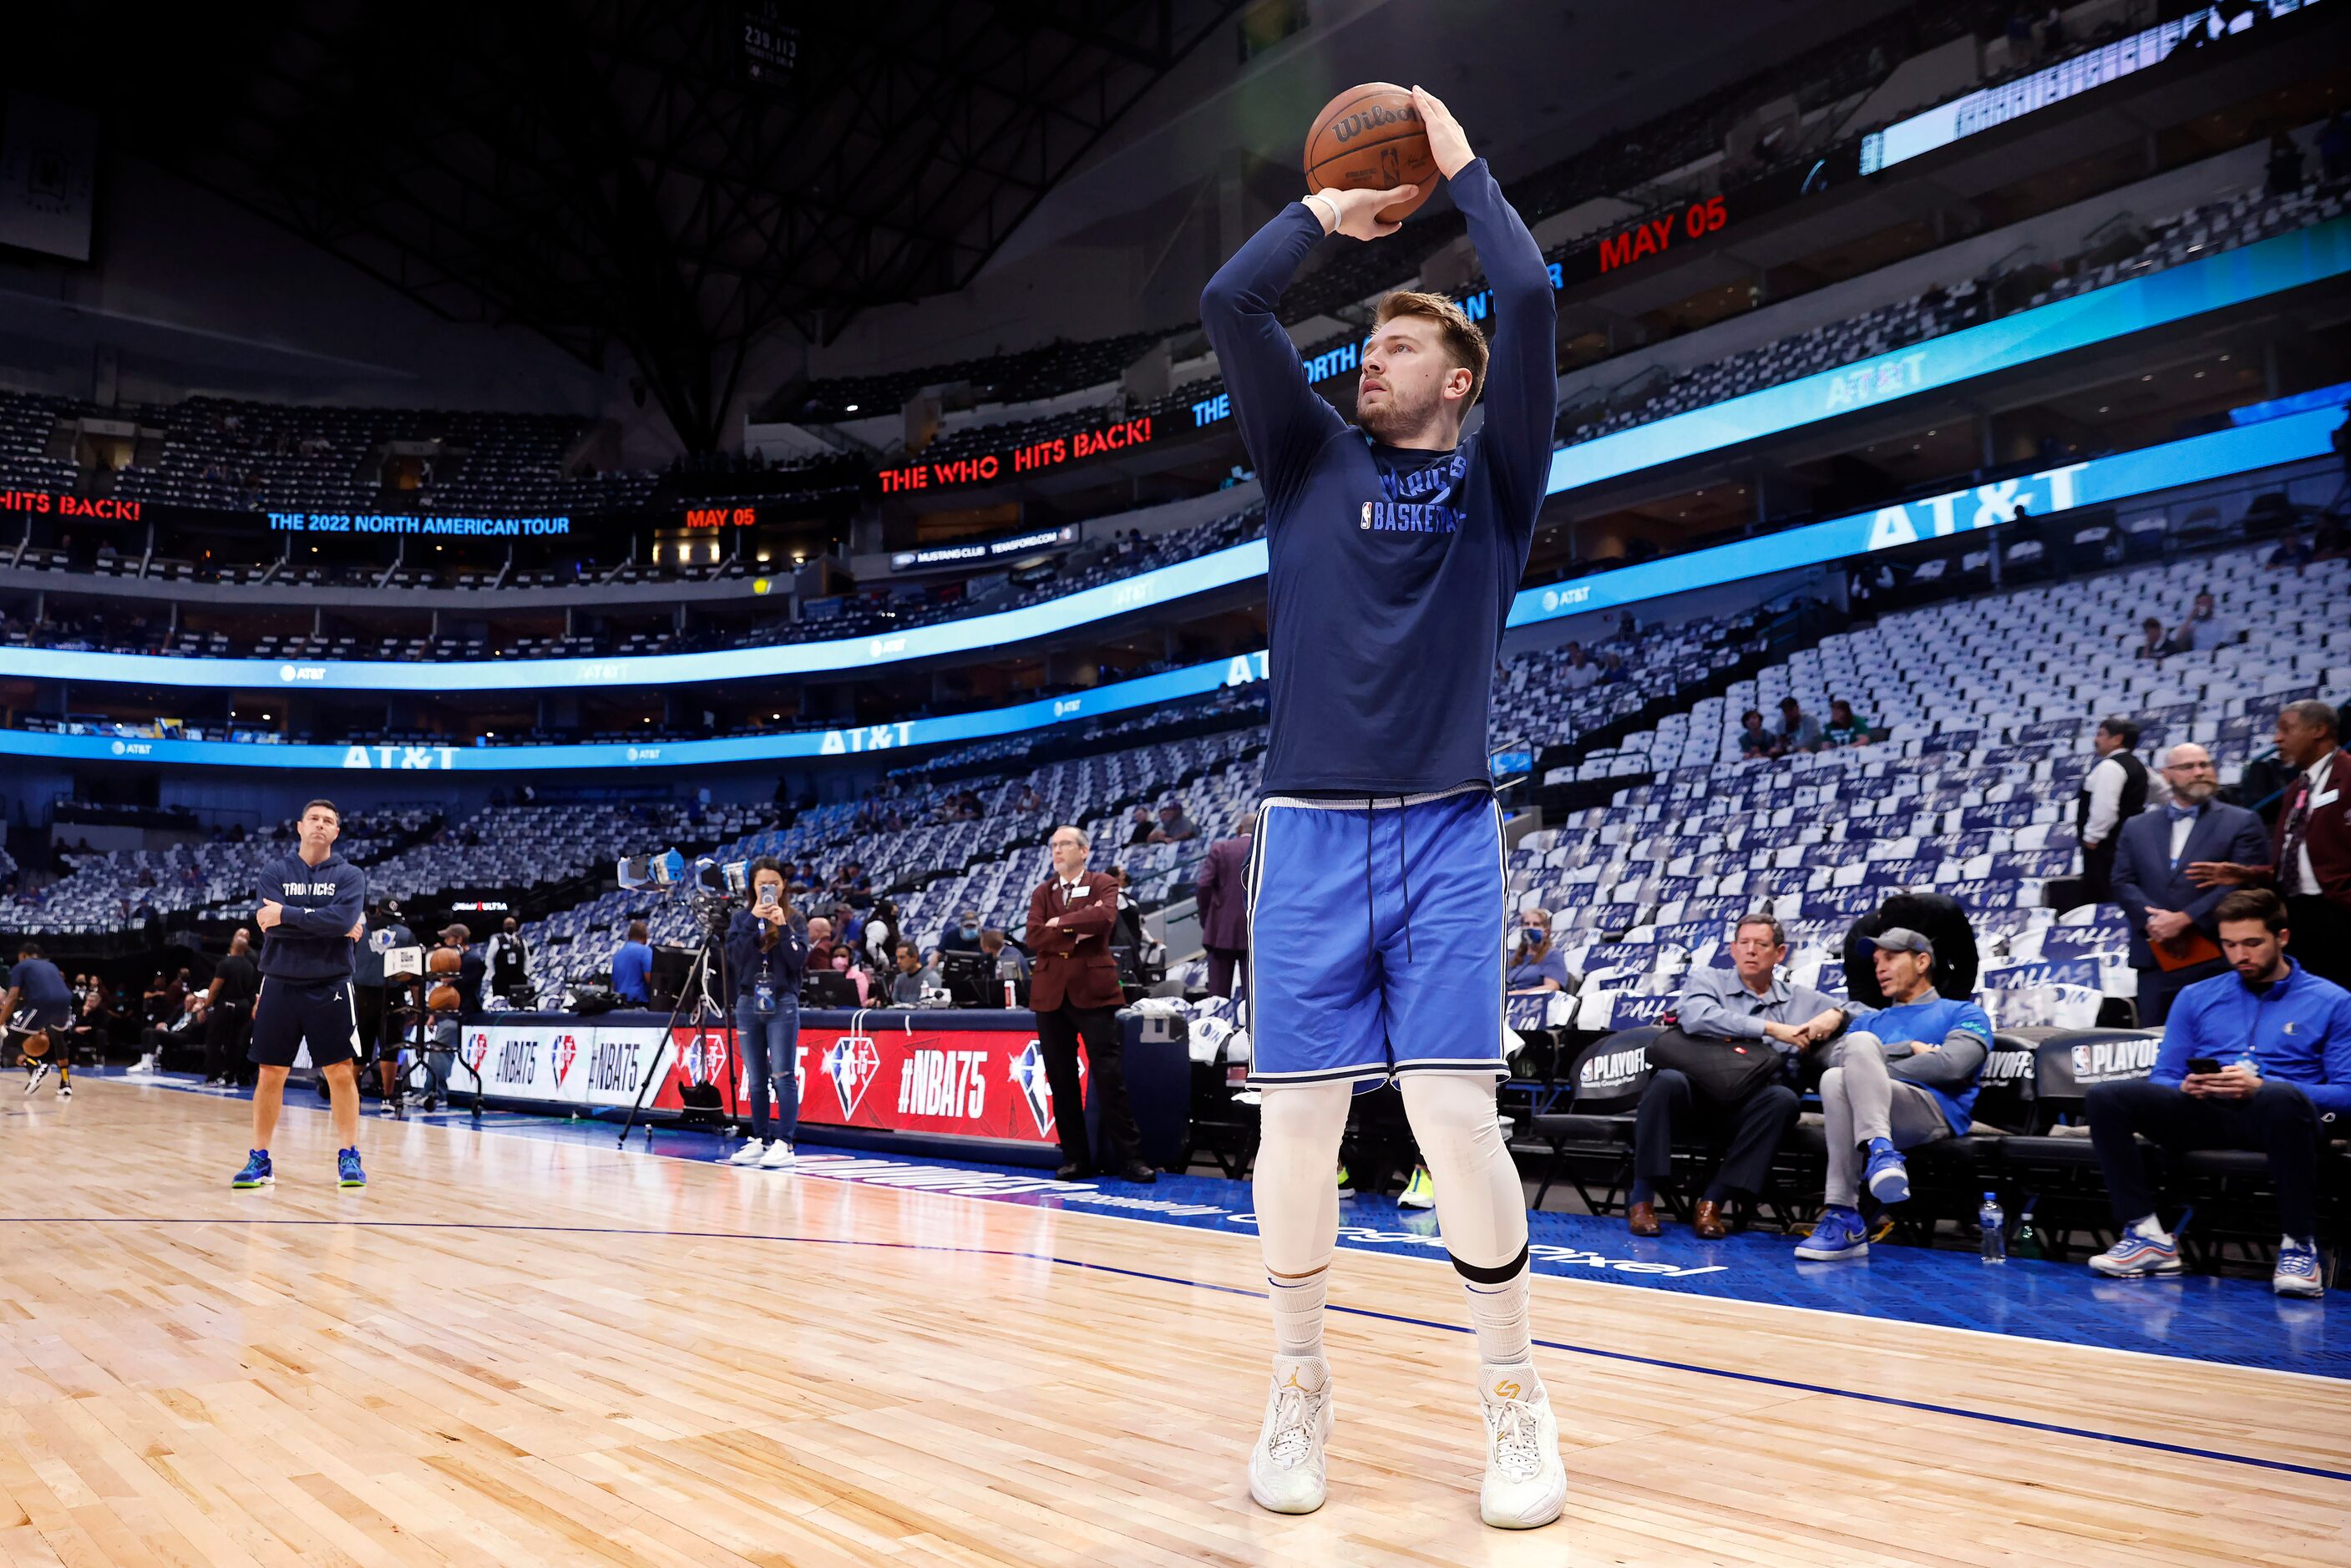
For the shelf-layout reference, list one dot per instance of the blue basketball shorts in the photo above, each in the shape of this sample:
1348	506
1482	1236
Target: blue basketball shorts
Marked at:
1376	938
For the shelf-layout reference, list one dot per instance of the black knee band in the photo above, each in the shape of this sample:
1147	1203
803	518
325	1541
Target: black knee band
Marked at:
1497	1276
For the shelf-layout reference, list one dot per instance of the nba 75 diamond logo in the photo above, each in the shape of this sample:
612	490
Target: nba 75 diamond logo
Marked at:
703	1058
1036	1088
852	1064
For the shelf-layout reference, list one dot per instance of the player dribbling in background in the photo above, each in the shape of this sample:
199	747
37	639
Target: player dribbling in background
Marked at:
38	1008
1378	901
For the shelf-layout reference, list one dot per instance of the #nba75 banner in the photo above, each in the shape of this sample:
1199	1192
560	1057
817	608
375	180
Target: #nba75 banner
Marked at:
888	1072
884	1069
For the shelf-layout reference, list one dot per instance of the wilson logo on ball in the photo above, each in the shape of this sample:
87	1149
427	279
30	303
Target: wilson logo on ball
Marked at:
1370	119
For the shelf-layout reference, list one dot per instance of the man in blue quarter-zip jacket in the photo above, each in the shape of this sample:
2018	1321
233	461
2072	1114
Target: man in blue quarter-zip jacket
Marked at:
2276	1039
1393	547
312	914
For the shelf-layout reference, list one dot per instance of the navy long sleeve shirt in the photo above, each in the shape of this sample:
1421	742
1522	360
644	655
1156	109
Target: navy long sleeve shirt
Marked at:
1390	571
779	965
312	942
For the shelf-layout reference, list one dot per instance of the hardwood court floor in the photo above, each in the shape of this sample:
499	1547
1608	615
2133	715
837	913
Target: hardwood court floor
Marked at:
512	1351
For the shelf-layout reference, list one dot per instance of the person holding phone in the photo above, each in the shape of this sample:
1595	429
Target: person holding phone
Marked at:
766	953
2256	1059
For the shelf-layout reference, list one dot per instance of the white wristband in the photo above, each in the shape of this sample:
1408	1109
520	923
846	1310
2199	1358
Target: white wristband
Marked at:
1333	207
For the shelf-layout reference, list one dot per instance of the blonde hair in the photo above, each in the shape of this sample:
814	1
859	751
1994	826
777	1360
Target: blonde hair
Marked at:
1464	345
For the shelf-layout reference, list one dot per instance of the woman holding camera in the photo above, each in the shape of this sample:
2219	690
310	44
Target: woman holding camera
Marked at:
766	953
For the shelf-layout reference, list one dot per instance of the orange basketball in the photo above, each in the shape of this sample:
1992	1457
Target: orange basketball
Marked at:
444	999
1370	137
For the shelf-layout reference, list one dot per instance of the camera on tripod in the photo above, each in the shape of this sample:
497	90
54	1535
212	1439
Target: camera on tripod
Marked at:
708	885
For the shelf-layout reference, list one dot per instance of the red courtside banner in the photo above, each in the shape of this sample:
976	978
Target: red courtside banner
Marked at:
894	1072
890	1070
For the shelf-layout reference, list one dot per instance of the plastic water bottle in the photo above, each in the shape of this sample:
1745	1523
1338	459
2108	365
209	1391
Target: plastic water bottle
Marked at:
2028	1236
1995	1235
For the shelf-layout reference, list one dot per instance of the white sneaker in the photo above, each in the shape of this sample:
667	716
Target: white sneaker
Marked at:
1526	1485
146	1063
749	1154
65	1091
1286	1466
777	1158
40	1076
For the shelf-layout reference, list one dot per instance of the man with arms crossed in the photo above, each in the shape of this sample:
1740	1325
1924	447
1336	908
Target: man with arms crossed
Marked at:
311	915
1393	550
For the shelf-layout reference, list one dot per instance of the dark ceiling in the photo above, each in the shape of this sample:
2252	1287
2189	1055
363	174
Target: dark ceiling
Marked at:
678	178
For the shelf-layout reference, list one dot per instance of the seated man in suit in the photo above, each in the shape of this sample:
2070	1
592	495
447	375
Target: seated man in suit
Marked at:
2174	939
2258	1058
1747	1004
1902	1076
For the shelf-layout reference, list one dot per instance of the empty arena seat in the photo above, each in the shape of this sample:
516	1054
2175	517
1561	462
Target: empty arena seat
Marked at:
1594	1136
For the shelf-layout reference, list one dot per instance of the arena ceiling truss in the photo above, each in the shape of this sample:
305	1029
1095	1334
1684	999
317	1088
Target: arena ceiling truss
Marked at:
677	179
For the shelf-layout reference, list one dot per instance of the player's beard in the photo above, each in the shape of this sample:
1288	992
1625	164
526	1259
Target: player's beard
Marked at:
1396	417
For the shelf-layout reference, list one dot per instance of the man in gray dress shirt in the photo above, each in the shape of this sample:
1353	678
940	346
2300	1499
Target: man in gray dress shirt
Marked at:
1747	1001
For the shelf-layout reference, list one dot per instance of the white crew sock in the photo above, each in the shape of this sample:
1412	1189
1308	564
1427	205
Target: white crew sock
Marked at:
2152	1229
1297	1312
1297	1205
1499	1313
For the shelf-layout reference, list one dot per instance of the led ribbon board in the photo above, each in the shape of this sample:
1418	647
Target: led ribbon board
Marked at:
2052	492
2061	327
2077	74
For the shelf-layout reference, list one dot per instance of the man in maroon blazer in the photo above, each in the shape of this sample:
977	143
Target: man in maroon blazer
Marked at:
1222	888
2313	848
1073	988
2310	850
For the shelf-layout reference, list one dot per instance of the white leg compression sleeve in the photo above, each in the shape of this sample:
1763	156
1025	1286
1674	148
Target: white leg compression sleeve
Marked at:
1481	1206
1297	1196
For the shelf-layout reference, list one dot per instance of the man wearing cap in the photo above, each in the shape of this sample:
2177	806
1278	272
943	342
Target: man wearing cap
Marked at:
963	935
1901	1075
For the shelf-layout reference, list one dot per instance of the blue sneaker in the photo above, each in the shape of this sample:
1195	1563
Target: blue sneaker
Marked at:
1837	1234
256	1171
1888	1178
2297	1272
2133	1256
347	1168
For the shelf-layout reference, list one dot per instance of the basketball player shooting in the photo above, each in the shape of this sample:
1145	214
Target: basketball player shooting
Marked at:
1377	903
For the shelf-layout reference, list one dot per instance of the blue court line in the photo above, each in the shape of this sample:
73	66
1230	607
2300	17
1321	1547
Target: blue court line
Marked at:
1758	1378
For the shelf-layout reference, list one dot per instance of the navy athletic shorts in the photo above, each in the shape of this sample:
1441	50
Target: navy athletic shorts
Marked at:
55	1023
1376	938
290	1013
